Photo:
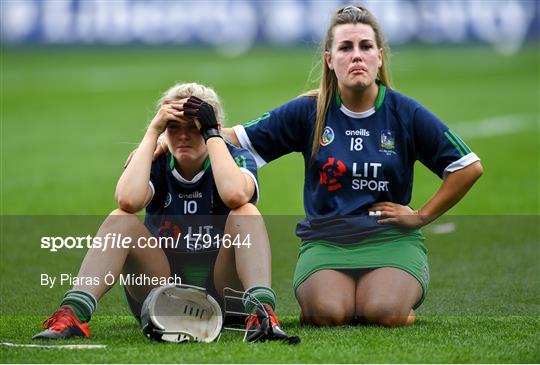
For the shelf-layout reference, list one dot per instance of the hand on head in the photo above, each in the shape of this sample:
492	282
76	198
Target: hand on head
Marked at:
204	115
185	109
170	111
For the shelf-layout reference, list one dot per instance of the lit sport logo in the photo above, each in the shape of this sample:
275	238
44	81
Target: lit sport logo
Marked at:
330	172
169	229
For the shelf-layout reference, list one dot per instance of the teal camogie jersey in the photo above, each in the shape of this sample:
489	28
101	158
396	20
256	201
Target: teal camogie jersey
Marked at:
364	158
191	211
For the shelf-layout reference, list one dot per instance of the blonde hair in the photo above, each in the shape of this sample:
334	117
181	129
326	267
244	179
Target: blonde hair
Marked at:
185	90
350	14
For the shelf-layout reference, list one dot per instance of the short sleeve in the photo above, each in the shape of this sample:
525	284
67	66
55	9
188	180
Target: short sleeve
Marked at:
158	183
438	147
278	132
246	162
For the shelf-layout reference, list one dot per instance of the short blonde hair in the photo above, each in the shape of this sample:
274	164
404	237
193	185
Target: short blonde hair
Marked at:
185	90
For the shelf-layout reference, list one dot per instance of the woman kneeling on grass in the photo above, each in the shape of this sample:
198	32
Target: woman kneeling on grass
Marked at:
199	175
362	258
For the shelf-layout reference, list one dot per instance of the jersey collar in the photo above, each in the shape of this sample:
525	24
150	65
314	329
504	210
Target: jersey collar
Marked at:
183	180
359	115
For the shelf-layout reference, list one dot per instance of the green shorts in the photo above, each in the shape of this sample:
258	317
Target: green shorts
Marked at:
392	248
193	268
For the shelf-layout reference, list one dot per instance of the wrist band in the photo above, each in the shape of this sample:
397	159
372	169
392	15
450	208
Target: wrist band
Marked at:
209	133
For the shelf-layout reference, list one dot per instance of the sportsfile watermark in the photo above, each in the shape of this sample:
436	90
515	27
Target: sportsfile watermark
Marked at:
191	241
186	233
477	265
50	281
109	241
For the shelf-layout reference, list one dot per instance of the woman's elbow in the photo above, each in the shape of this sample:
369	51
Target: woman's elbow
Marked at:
129	205
477	170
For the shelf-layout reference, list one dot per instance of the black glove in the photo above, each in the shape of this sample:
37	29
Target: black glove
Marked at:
204	113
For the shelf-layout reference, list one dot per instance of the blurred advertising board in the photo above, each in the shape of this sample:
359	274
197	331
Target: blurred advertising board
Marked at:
235	26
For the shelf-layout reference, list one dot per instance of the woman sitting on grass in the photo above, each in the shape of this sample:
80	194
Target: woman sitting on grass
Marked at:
201	176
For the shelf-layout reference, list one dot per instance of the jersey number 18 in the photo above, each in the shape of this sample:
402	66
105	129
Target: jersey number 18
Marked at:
356	144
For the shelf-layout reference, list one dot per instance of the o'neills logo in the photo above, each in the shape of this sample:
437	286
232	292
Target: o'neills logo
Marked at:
330	172
194	195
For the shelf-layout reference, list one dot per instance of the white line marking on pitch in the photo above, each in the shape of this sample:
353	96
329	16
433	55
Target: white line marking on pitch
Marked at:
64	347
443	228
495	126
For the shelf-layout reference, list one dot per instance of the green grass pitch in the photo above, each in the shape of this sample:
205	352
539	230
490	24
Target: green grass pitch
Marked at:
69	117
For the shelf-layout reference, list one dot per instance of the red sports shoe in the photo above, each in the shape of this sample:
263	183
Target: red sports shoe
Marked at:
263	325
254	330
276	332
63	324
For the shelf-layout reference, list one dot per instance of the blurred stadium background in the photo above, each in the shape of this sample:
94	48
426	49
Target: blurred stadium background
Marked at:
80	79
79	82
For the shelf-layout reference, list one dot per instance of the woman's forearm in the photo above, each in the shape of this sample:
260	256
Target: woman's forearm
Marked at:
454	187
234	187
132	189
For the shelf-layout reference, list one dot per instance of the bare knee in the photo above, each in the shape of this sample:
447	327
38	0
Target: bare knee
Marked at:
120	215
246	209
119	220
119	211
387	313
323	312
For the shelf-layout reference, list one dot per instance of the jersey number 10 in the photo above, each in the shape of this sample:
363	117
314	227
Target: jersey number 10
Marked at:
190	207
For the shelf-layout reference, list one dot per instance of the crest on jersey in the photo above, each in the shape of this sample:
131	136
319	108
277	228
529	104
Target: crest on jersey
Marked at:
168	200
241	161
327	136
388	142
387	139
331	173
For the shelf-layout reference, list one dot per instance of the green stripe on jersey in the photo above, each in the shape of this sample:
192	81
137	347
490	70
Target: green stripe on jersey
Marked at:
466	148
171	162
380	97
206	164
456	145
257	120
338	98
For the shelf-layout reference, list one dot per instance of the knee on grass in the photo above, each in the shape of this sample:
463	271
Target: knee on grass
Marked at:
387	314
325	313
